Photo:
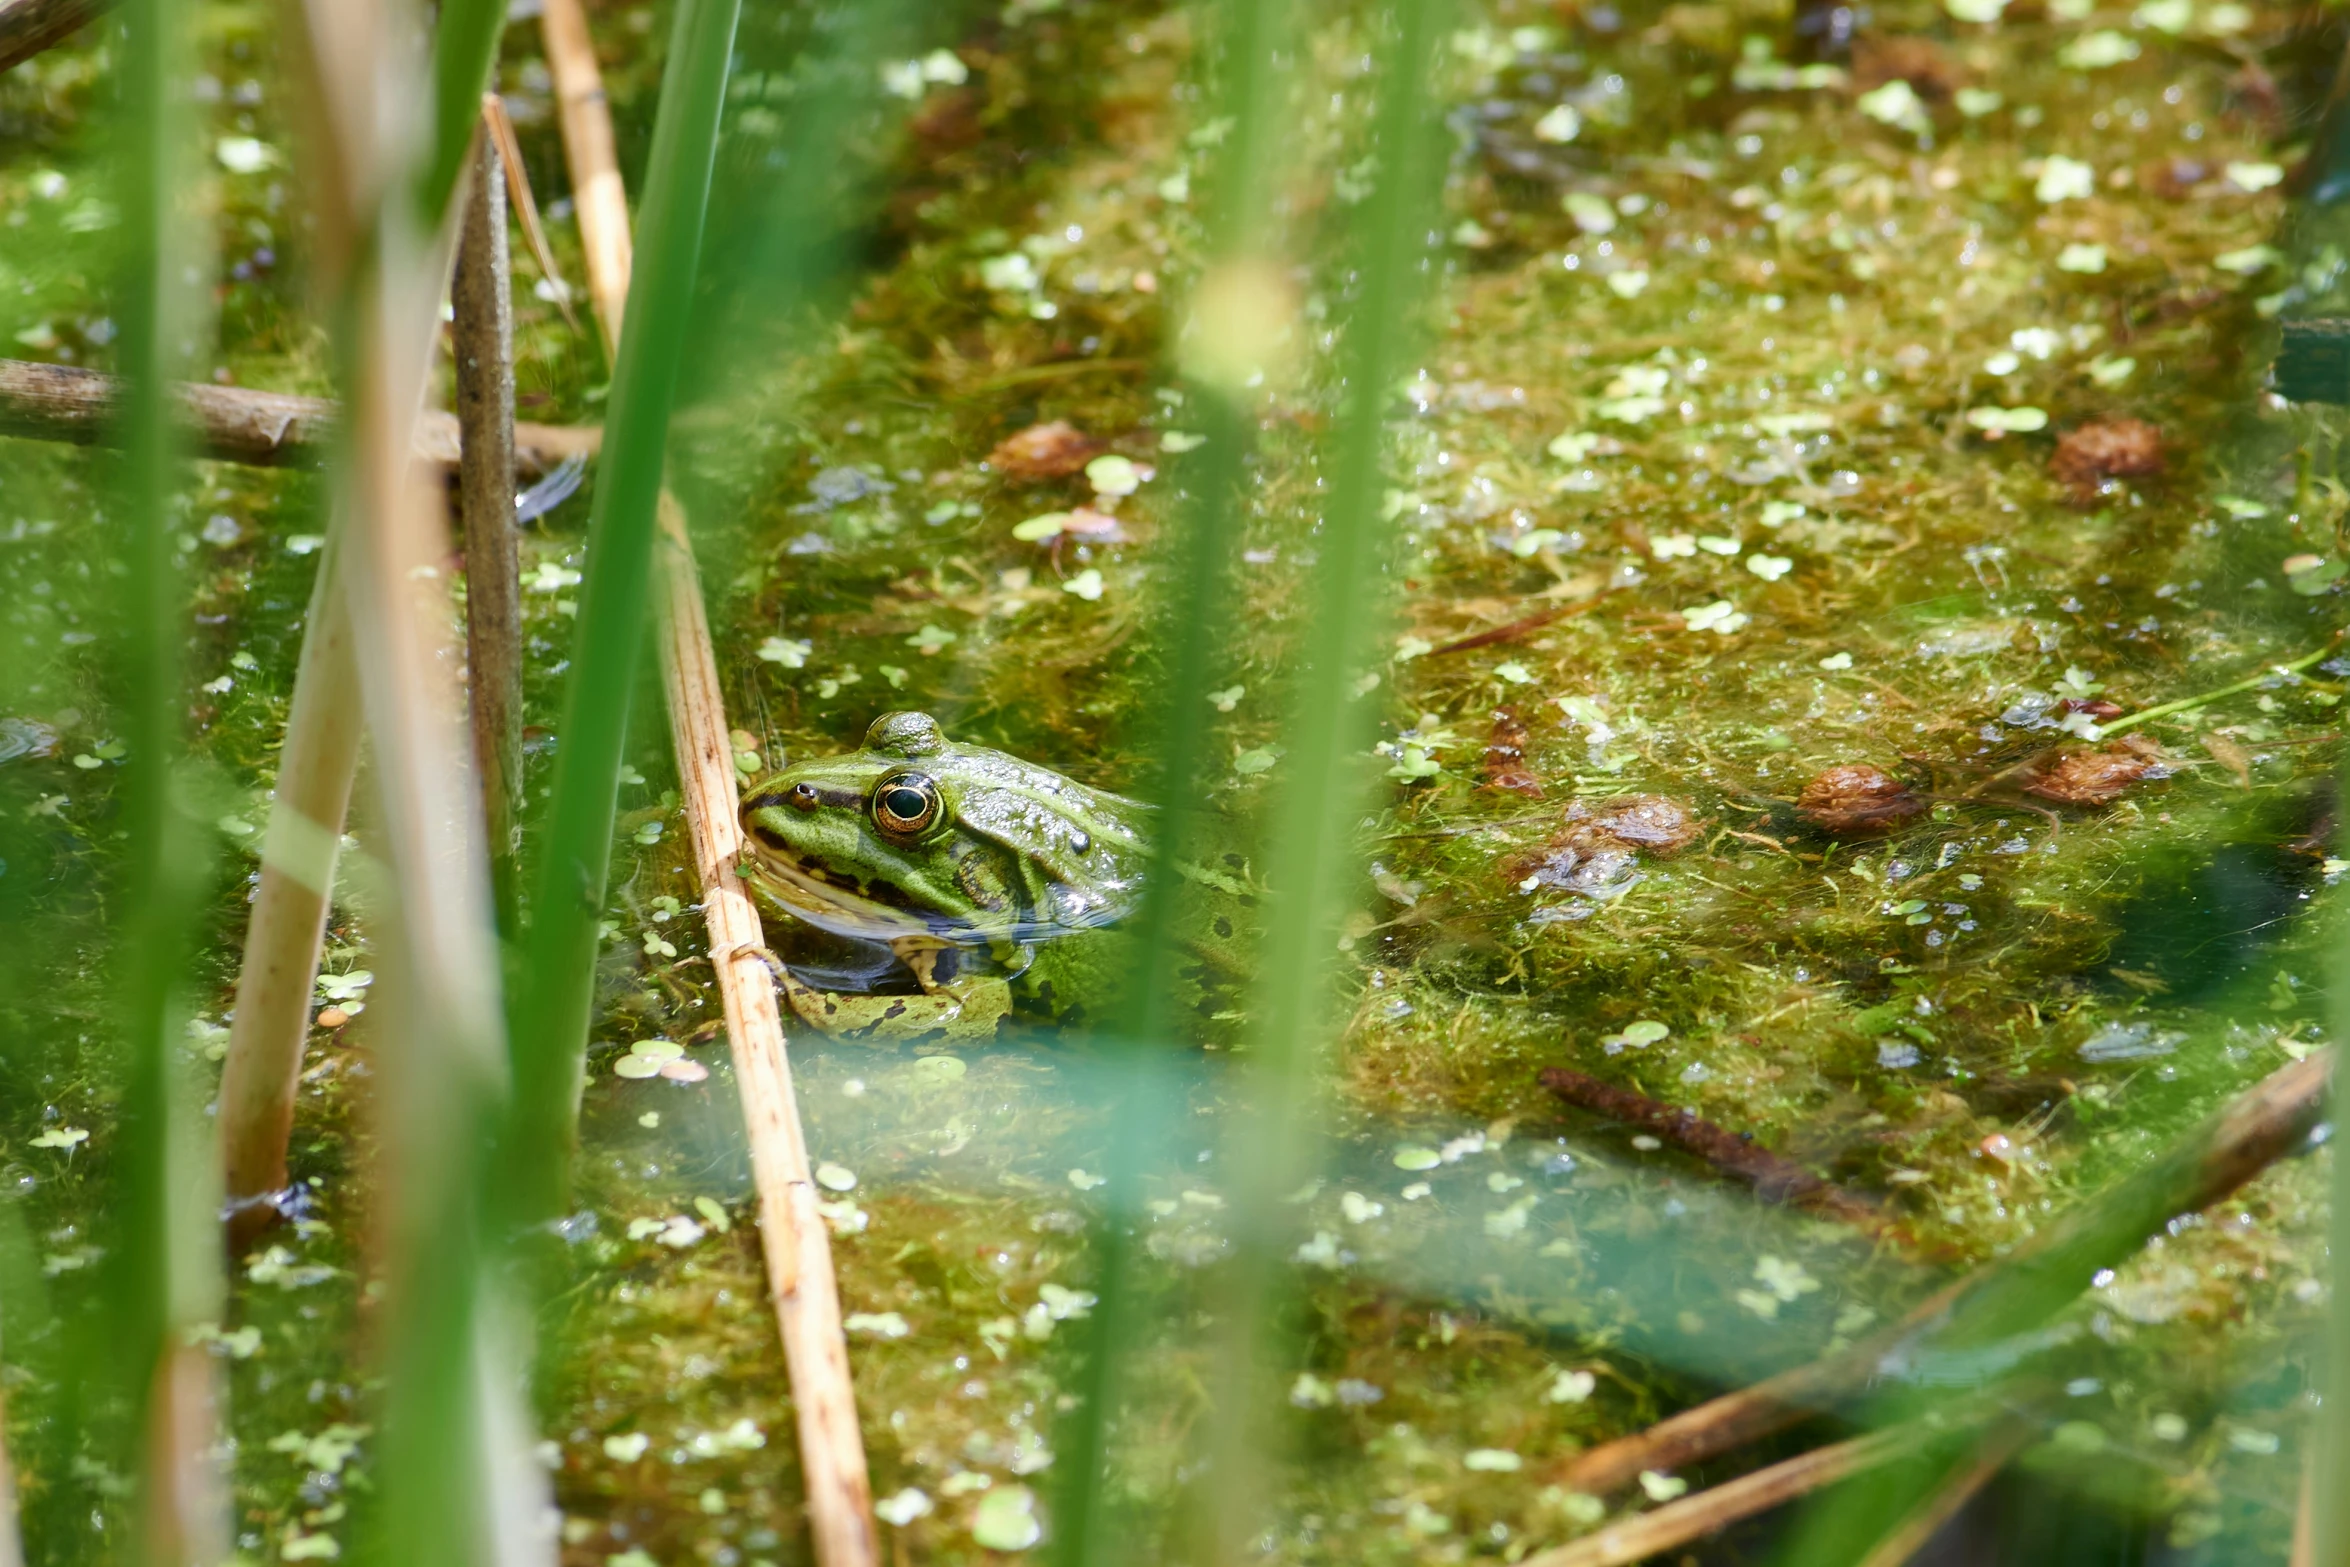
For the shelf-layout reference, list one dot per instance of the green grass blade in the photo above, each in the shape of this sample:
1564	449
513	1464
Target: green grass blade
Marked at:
154	1274
556	989
464	47
1310	868
1253	36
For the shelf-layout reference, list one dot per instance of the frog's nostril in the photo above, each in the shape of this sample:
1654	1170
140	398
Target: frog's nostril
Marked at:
804	797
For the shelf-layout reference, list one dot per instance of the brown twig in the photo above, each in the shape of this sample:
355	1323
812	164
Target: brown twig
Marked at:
1693	1517
2251	1132
482	311
1773	1178
29	27
45	402
1518	628
793	1236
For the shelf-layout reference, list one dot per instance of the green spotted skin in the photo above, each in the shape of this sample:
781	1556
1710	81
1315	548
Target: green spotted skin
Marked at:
916	842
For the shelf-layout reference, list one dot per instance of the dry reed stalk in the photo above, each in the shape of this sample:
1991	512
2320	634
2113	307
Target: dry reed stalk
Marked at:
449	1477
44	402
598	197
483	319
1693	1517
188	1514
797	1245
2267	1121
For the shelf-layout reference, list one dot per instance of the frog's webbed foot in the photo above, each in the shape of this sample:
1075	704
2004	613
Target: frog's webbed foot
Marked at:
921	954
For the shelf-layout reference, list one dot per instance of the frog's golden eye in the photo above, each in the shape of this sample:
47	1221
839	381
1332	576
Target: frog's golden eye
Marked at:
905	804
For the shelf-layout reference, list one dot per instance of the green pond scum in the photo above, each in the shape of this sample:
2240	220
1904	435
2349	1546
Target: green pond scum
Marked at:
1906	409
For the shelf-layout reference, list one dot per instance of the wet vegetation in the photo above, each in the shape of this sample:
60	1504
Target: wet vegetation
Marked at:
1859	666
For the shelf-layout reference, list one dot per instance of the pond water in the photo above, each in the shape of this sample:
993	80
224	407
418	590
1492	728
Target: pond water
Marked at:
1908	411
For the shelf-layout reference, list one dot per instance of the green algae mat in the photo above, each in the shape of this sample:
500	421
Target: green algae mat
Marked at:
1858	690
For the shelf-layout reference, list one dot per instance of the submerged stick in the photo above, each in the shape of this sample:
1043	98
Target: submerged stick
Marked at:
1519	627
30	27
1693	1517
1908	1537
44	402
483	317
1773	1178
1911	1535
794	1239
2253	1131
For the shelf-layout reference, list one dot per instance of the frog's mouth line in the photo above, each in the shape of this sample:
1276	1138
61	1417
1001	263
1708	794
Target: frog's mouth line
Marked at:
829	906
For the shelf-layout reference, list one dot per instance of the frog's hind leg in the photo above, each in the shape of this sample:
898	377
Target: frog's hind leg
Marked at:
818	1009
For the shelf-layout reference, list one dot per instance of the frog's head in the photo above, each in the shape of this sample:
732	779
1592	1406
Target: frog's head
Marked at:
917	836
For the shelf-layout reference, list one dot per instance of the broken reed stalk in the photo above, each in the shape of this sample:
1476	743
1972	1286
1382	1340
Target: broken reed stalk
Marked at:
262	1074
28	27
1908	1537
2258	1127
1773	1178
1706	1512
794	1239
792	1232
483	345
43	402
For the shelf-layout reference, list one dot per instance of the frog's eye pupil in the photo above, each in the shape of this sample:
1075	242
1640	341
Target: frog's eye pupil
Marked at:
905	804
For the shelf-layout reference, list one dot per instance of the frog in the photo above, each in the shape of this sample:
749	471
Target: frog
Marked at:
958	889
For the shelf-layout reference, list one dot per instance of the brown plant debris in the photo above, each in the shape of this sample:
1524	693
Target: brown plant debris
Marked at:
1598	854
2097	777
2174	179
1652	822
2087	459
1043	451
1921	62
1505	756
1855	800
1773	1178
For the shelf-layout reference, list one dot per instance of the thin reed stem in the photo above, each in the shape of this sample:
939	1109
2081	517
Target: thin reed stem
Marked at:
1275	1148
1253	35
